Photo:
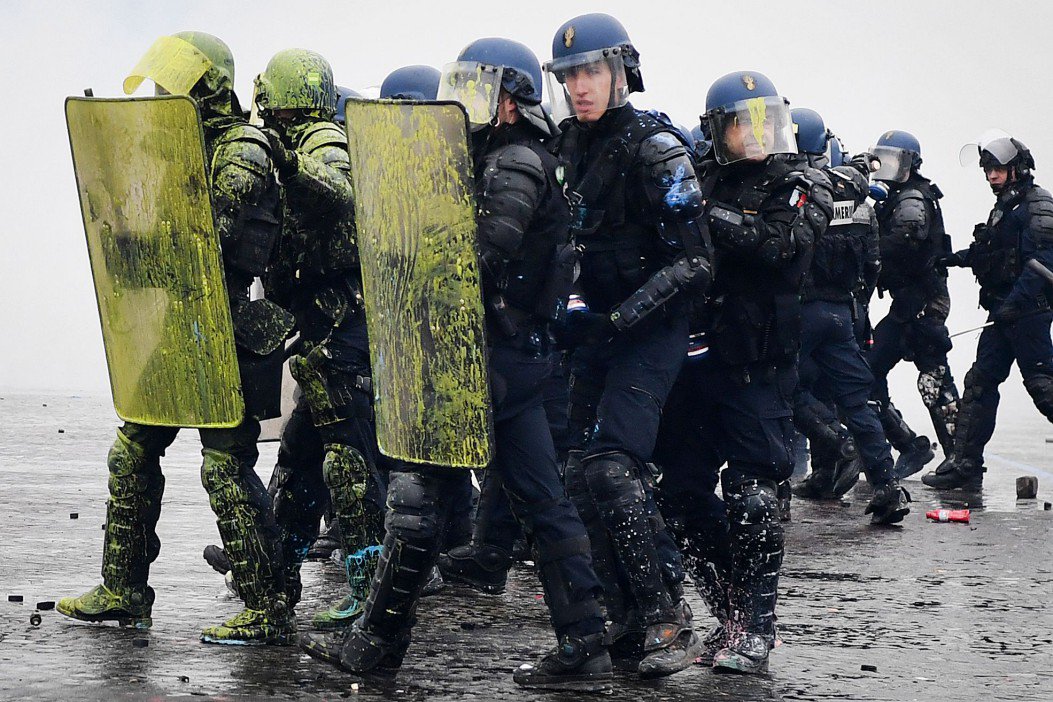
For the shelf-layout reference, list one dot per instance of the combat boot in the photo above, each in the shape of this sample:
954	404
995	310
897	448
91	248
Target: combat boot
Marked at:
913	457
745	653
890	504
578	664
130	543
483	567
274	626
100	604
377	641
956	474
255	559
670	647
819	485
357	651
360	568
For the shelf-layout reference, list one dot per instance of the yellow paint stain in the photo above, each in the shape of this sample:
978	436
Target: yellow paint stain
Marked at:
155	259
415	213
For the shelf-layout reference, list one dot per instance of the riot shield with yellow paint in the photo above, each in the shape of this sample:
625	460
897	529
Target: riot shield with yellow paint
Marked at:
415	211
155	259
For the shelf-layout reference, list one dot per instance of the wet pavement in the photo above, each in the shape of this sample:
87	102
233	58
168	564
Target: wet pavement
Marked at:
941	611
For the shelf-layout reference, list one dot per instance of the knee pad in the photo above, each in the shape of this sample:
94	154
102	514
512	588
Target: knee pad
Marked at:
613	480
412	513
130	473
345	470
752	503
218	470
1040	387
976	384
126	456
936	388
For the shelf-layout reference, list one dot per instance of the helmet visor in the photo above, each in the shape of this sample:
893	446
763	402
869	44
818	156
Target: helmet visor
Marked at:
172	63
752	130
477	86
895	163
587	85
995	142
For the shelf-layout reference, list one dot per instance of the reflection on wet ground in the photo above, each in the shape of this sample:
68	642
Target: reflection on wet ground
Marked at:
942	611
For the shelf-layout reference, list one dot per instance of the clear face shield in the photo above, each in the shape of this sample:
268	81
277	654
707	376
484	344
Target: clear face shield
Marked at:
752	130
586	85
995	142
173	64
477	86
895	163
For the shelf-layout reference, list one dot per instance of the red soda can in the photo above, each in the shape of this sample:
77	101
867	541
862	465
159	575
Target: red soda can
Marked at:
948	515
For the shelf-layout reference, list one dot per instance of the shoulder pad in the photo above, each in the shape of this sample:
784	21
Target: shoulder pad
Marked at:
817	177
1040	211
245	146
322	134
244	132
660	147
909	194
936	192
516	157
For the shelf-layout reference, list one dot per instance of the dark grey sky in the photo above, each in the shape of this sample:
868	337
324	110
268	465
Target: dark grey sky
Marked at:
944	70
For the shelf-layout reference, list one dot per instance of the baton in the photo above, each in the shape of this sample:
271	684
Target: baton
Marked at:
1041	270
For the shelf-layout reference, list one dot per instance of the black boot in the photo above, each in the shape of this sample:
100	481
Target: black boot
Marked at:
964	468
756	548
378	640
890	504
482	567
670	647
956	474
819	485
913	457
576	665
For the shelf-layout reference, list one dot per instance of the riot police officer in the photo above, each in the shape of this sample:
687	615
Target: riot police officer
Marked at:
522	226
1006	256
912	238
765	207
635	201
328	452
245	200
845	258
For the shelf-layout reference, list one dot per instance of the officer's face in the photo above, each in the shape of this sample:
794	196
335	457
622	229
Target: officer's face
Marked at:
741	141
589	87
997	177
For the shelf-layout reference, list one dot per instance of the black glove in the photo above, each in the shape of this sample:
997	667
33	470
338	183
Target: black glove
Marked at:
286	160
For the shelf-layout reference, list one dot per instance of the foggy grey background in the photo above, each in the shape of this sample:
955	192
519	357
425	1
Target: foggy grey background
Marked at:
945	71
